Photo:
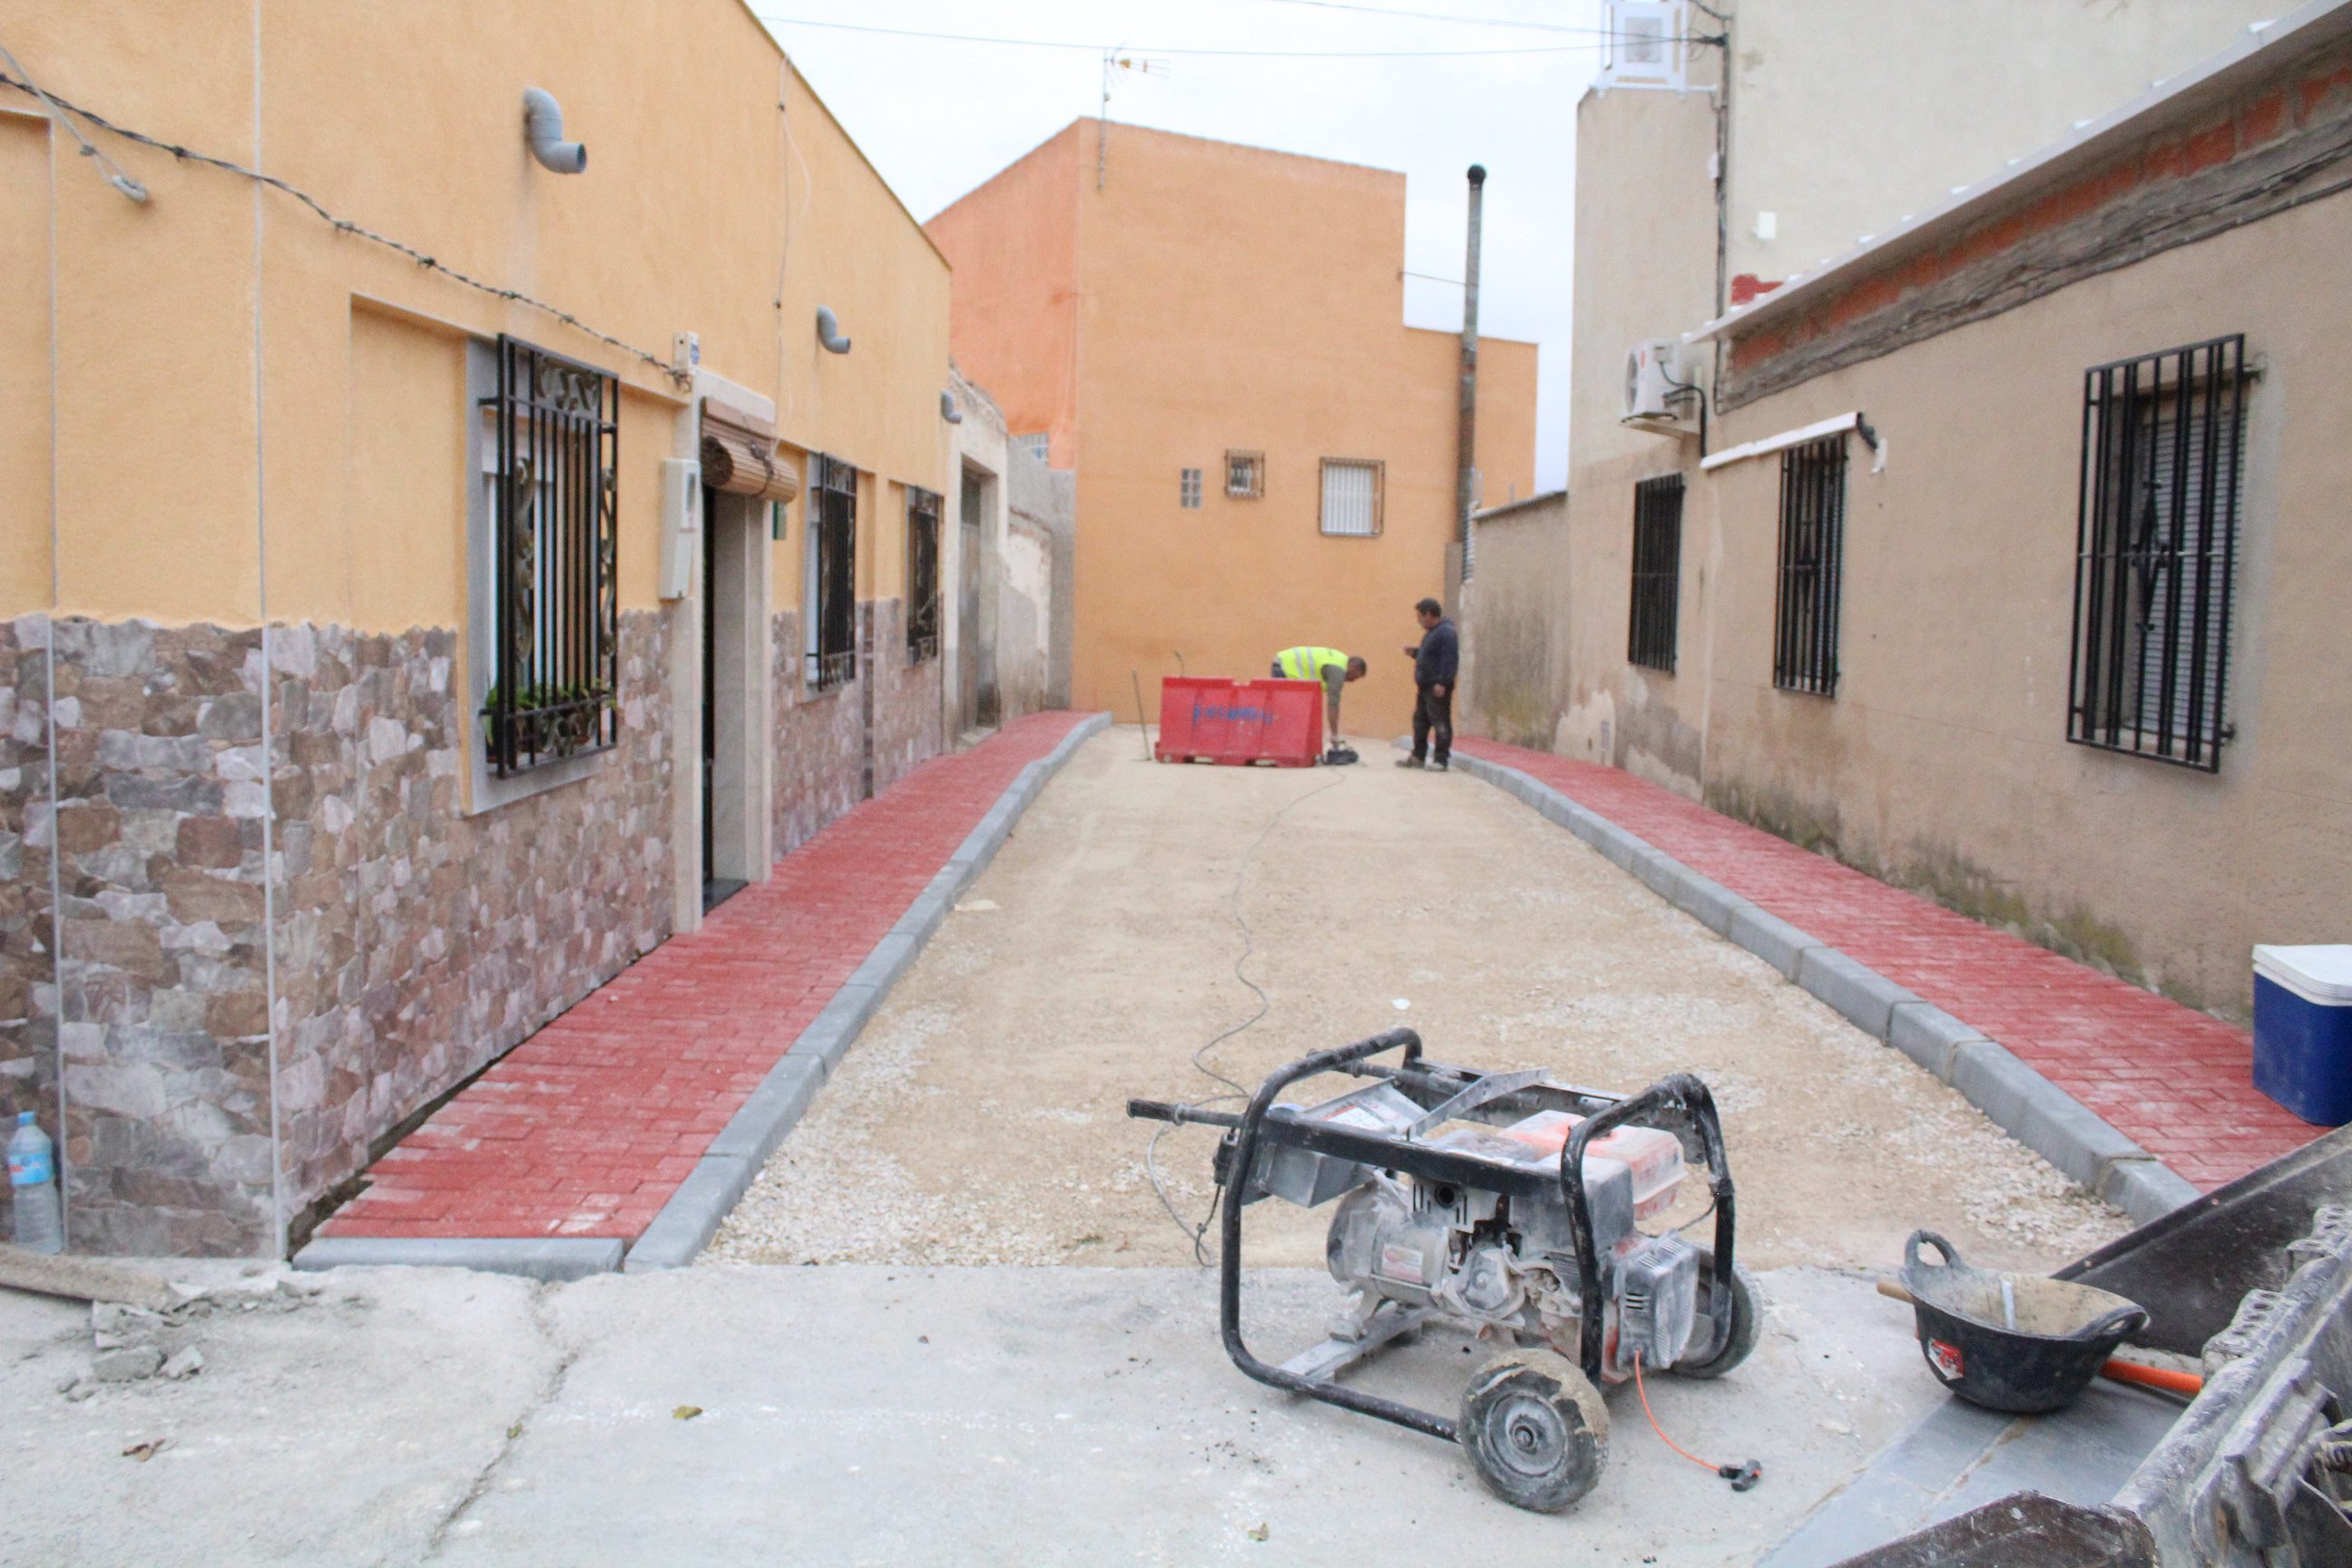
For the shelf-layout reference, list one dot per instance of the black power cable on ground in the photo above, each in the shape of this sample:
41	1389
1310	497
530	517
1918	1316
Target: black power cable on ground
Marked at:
1198	1235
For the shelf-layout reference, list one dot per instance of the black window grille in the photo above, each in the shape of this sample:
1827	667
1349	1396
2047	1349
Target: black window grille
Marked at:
1188	488
833	544
1657	572
1812	560
2156	552
923	575
1245	475
556	533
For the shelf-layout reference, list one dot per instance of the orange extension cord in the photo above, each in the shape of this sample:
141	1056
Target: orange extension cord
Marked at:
1742	1476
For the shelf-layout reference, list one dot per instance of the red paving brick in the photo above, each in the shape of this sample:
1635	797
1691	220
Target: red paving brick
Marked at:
2177	1081
589	1126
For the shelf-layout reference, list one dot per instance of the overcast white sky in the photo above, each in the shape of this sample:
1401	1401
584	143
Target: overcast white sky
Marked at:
939	116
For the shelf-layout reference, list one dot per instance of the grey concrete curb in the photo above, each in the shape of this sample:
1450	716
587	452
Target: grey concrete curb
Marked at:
726	1168
533	1258
2027	1106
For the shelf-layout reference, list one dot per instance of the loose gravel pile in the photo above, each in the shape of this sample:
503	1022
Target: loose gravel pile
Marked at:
981	1117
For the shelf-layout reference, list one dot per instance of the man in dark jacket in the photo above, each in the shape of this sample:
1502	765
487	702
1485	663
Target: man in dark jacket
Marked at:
1435	662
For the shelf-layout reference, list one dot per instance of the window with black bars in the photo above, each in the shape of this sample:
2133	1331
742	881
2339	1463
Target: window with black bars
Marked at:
1657	572
833	575
2156	552
923	575
1813	560
556	533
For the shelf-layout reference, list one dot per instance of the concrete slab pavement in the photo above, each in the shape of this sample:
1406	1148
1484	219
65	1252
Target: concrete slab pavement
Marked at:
852	1415
1069	1416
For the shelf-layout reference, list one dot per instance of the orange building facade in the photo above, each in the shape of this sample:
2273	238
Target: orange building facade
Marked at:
1211	337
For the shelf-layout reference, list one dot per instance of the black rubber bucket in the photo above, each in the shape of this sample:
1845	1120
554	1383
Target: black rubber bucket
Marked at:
2016	1342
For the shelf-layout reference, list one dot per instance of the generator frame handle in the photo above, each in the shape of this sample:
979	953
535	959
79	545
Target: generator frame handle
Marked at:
1686	1093
1340	1058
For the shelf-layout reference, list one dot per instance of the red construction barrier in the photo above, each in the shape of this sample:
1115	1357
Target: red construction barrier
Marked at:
1203	719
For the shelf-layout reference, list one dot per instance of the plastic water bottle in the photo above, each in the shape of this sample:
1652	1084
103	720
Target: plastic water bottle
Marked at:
33	1183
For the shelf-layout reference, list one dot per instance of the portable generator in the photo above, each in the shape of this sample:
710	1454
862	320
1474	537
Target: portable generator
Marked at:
1506	1206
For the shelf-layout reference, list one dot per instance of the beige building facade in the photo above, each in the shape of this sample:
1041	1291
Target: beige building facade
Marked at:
2001	566
433	566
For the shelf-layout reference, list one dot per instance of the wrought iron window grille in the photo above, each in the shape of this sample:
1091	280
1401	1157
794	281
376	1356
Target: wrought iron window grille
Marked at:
922	575
1811	567
833	531
2156	552
556	533
1657	572
1245	475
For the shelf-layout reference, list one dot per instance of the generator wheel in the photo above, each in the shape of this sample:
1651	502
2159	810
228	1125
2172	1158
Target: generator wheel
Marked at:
1747	1321
1536	1430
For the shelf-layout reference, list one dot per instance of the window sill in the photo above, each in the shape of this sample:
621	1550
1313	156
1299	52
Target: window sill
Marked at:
490	792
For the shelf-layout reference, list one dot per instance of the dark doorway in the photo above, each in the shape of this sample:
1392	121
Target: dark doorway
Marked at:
716	889
969	654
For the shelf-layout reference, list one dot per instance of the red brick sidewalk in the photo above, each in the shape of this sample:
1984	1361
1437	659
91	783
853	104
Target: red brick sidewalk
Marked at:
2175	1081
588	1127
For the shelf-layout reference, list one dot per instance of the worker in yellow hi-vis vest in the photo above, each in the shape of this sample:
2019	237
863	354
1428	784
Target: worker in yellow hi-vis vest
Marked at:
1328	664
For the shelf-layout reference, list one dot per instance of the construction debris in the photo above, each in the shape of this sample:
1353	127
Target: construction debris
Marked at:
88	1279
132	1343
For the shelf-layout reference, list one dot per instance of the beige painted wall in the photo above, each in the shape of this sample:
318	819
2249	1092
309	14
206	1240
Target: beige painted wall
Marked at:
1233	298
1944	757
688	209
1850	115
25	520
1515	687
1834	142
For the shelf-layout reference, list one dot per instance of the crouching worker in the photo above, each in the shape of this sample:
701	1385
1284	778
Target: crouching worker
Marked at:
1330	666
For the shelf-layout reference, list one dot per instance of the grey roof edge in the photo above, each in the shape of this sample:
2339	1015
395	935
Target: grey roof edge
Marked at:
692	1215
2079	1142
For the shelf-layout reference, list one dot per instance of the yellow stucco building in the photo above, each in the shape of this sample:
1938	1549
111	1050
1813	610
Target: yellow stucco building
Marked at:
428	571
1210	336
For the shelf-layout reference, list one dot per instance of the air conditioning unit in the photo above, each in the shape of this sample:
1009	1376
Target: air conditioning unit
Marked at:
1654	380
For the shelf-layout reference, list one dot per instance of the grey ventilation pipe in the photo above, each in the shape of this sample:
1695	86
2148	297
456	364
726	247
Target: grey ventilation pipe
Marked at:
948	409
1465	438
542	122
828	330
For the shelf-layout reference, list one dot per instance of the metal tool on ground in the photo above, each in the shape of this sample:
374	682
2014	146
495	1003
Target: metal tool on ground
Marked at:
2017	1342
1507	1206
1142	724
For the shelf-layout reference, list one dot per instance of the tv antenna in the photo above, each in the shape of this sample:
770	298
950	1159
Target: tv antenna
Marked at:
1116	58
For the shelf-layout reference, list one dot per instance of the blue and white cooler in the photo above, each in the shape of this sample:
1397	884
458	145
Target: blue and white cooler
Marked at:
2303	1030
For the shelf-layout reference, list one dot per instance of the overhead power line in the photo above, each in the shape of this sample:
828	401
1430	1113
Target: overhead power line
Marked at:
1165	49
1442	16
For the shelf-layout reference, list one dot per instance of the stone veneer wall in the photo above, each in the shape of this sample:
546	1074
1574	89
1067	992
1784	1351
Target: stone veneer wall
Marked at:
415	944
196	867
162	966
412	943
906	717
29	991
819	742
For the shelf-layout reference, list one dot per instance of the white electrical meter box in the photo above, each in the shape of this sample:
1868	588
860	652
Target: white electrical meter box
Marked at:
681	525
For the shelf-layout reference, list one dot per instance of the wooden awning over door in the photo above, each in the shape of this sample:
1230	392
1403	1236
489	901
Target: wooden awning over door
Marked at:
738	454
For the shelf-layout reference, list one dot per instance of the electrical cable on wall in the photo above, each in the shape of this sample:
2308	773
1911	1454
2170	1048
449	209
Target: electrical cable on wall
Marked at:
1198	1234
113	171
342	224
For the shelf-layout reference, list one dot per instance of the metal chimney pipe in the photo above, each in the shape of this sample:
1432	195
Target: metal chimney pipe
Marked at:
1467	442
